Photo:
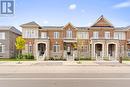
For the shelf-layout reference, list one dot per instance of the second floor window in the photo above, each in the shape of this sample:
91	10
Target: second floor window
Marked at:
69	34
56	35
107	35
82	35
43	34
30	33
95	35
119	35
2	35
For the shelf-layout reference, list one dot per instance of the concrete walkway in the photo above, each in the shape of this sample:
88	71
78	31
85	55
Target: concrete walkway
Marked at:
65	63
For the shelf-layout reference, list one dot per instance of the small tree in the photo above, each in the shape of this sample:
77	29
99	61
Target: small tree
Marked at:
20	44
79	47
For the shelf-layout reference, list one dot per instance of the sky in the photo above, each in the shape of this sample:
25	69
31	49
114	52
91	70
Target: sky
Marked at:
60	12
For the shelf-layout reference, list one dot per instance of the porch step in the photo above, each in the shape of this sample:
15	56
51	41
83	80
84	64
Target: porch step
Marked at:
70	58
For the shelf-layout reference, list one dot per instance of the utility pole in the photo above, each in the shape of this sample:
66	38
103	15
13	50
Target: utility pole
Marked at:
120	56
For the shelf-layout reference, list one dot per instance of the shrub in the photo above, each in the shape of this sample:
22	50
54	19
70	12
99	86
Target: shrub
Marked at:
28	56
19	56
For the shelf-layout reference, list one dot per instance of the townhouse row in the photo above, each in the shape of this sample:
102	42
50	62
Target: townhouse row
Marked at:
101	41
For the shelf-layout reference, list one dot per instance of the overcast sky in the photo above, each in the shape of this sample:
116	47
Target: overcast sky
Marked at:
60	12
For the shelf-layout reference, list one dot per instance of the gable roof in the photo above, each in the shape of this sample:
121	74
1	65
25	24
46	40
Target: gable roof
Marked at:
33	24
102	22
10	28
69	24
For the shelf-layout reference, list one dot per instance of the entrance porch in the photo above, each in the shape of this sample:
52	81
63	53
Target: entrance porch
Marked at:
104	51
70	52
41	50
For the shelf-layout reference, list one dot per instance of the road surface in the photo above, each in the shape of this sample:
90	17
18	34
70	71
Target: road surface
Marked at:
65	80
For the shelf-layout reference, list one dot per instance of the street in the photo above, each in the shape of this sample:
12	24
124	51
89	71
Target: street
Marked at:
65	80
64	76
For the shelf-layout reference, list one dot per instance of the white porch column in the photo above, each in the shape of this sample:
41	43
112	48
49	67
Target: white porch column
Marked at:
36	50
103	48
93	50
107	54
47	49
116	51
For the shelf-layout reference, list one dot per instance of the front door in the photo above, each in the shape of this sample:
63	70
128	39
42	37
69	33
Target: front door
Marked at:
111	51
98	52
69	51
41	51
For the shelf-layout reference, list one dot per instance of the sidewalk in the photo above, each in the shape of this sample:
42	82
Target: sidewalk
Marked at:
65	63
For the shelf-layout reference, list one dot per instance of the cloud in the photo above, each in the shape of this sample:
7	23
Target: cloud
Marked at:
45	22
122	5
72	6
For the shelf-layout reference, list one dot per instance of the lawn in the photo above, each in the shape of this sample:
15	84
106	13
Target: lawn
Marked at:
14	59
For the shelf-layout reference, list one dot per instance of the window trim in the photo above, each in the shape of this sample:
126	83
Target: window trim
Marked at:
96	35
56	48
2	48
69	34
56	35
2	34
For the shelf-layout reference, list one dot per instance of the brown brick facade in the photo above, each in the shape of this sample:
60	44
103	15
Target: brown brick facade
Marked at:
107	46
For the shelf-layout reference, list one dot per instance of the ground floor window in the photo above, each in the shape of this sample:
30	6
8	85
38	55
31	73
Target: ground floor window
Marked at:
1	48
30	49
56	48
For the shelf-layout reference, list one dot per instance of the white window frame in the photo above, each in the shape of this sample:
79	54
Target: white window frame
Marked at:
56	48
2	48
43	34
95	35
119	35
2	35
107	35
82	35
69	34
56	35
30	33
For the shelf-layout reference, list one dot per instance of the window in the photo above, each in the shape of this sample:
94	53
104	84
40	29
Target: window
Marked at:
30	33
2	35
56	35
2	48
69	34
95	35
56	48
107	35
30	47
84	48
119	35
82	35
43	34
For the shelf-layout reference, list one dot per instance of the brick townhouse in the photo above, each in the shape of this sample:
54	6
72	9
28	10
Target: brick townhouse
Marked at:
101	41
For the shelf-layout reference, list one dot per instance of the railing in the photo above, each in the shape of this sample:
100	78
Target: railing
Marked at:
46	38
69	38
109	38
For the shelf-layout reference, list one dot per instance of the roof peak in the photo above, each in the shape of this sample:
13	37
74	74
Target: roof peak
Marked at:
32	23
102	22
